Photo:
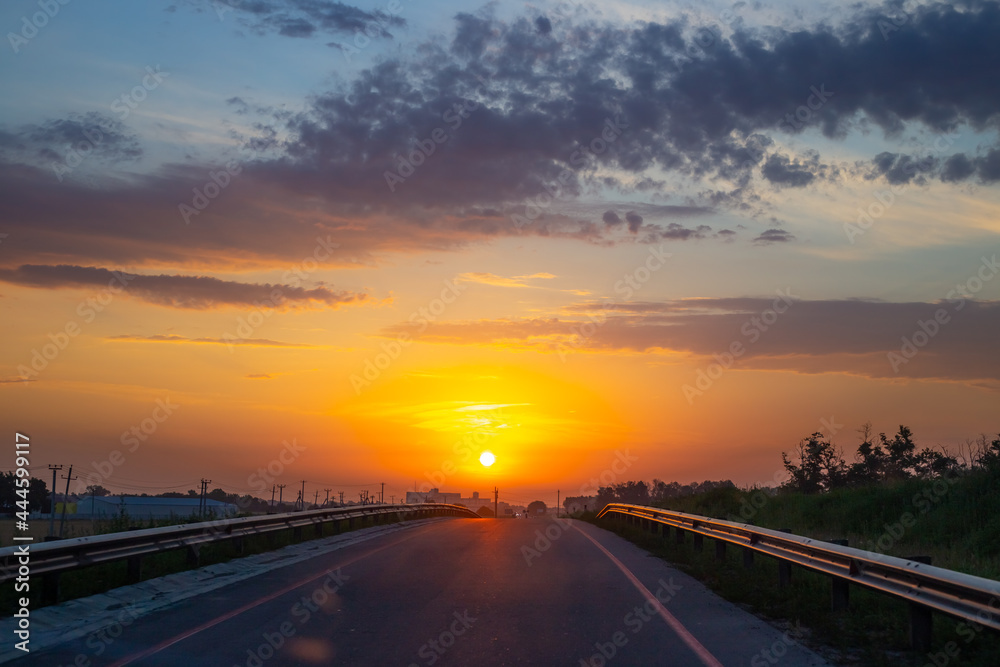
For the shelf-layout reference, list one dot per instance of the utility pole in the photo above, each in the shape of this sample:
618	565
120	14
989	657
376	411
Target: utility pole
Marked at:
52	510
316	498
381	495
496	503
326	503
272	496
341	497
203	506
62	521
281	491
392	499
302	495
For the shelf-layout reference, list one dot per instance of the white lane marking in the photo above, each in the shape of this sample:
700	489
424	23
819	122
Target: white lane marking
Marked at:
699	649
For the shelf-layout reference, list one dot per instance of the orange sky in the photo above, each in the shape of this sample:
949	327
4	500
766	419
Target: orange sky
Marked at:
606	264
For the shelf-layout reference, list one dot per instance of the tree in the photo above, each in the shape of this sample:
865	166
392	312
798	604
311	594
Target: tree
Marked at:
820	468
870	461
988	454
485	512
901	453
537	507
96	490
37	493
579	501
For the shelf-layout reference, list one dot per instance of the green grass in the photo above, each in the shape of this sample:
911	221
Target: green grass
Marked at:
957	523
873	631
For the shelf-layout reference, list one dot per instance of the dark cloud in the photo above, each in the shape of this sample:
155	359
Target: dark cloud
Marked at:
773	236
543	25
676	232
303	18
781	171
517	116
634	221
611	218
902	169
957	168
989	166
61	145
832	336
196	292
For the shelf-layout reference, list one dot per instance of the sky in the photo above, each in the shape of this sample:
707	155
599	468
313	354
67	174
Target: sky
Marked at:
267	241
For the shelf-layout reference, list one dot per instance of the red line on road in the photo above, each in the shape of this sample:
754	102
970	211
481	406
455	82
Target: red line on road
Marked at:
236	612
699	649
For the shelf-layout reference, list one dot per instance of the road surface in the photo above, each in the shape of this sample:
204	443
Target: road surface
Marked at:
445	592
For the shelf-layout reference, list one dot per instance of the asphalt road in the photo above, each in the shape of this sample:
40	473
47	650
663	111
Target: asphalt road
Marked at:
451	592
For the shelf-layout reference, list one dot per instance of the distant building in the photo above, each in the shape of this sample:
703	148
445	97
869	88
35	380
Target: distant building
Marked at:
137	507
432	496
474	503
576	504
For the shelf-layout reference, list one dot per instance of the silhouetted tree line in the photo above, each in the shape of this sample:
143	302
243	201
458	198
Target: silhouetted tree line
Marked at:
640	493
37	494
817	466
245	503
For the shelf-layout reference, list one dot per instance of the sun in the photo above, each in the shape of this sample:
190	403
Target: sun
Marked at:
487	458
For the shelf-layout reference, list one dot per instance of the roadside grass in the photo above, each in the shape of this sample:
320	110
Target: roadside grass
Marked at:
874	630
956	522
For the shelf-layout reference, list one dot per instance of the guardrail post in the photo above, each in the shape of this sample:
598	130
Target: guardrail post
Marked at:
50	588
192	556
784	567
840	589
238	545
297	534
679	538
720	549
921	618
699	542
134	573
319	529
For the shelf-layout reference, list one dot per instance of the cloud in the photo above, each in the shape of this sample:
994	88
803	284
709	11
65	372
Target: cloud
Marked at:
16	380
304	18
773	236
501	281
676	232
585	108
824	336
634	221
781	171
611	218
62	144
184	340
193	292
902	169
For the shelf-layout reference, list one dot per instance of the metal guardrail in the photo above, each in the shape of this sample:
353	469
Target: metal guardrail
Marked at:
927	588
50	559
